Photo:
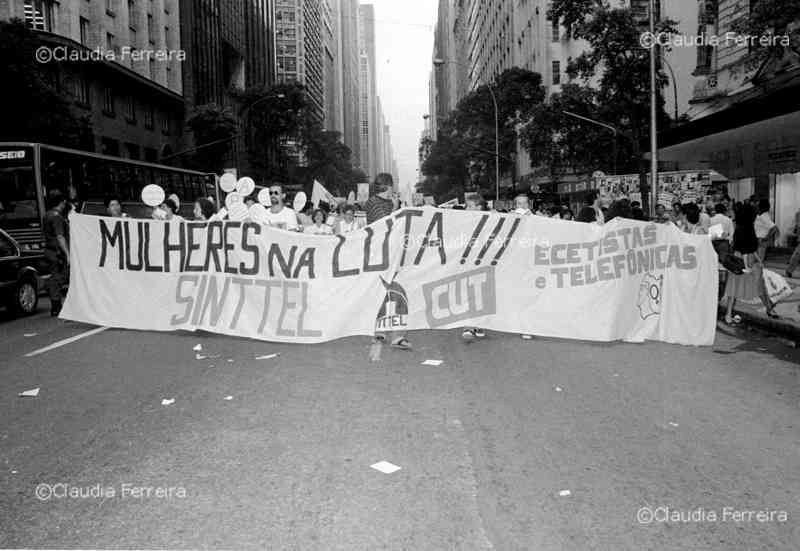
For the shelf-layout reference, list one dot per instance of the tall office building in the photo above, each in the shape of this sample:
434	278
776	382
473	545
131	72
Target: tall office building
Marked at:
299	45
348	27
332	65
367	83
229	46
134	102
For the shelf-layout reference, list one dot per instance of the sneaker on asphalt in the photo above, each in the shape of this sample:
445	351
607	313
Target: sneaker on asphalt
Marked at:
480	333
468	335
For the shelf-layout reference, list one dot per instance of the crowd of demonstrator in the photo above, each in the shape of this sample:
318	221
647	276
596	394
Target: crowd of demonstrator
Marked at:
745	227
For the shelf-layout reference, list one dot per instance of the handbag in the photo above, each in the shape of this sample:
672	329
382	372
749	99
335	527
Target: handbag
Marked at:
731	262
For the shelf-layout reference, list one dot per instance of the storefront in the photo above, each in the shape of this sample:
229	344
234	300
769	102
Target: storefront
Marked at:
754	143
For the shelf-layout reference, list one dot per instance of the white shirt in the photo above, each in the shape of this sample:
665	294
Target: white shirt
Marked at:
763	224
285	219
344	227
726	223
324	229
705	221
523	212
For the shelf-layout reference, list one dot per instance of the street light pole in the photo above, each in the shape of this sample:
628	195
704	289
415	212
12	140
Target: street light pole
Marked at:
653	113
439	63
614	129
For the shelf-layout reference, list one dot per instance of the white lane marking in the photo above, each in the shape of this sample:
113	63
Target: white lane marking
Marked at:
64	342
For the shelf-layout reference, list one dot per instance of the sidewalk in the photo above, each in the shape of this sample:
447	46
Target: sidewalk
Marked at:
789	323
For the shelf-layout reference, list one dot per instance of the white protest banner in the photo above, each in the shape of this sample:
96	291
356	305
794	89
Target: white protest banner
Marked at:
416	269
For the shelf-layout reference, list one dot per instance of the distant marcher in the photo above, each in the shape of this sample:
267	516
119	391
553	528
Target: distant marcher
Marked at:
347	223
691	222
204	209
114	207
588	215
522	205
279	215
720	218
56	251
566	213
319	227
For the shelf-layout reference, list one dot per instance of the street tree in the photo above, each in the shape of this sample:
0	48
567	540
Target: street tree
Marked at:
618	68
212	124
38	110
463	154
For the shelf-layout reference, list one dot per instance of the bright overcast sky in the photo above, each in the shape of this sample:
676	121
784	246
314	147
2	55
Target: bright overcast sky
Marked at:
404	36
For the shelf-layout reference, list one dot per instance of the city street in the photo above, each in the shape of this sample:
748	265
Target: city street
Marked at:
509	444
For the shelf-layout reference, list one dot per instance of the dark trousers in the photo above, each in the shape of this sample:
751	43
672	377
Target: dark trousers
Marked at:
58	276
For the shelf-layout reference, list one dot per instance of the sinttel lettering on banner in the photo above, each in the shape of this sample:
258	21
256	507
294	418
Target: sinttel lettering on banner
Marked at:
208	301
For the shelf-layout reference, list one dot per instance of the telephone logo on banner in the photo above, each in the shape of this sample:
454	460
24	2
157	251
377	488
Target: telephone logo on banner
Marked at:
649	302
263	197
153	195
394	310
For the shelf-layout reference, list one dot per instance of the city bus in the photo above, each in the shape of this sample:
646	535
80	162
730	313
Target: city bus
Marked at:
28	171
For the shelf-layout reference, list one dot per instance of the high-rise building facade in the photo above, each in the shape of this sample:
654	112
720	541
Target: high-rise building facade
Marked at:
134	101
229	45
299	45
348	27
332	65
369	92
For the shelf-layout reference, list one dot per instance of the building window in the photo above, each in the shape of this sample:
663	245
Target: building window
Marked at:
556	72
84	31
109	147
133	151
556	31
164	123
39	14
150	29
166	37
149	117
110	7
169	75
152	68
81	90
108	101
130	109
131	13
109	41
705	55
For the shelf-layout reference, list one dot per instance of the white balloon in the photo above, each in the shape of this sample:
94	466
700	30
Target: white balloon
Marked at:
300	201
152	195
258	213
228	182
263	197
237	212
245	186
233	199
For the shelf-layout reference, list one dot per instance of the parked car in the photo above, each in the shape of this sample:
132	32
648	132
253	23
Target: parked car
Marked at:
21	274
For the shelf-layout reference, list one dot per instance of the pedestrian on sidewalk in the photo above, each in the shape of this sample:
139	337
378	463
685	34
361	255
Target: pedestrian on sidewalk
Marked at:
766	230
749	286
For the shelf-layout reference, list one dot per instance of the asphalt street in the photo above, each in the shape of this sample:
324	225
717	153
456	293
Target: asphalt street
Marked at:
509	444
